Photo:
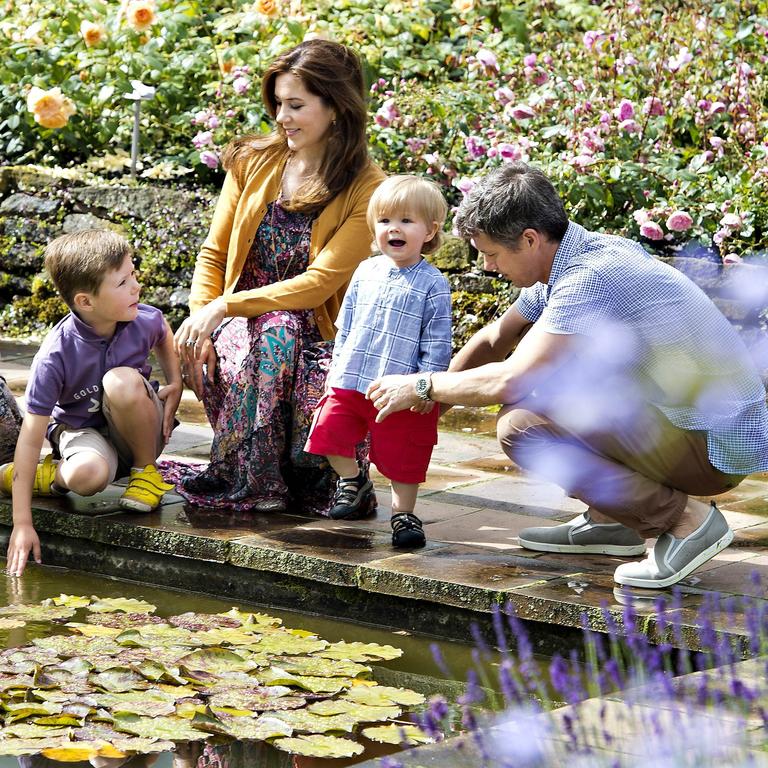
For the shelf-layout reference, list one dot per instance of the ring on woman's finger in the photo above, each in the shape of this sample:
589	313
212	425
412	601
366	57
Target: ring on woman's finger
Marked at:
191	342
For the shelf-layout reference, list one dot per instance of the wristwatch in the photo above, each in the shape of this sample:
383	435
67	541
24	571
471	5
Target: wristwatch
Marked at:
424	385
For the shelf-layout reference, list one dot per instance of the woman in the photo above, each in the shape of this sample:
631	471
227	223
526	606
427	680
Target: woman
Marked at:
10	422
288	231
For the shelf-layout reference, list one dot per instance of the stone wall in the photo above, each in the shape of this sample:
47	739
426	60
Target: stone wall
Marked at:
167	225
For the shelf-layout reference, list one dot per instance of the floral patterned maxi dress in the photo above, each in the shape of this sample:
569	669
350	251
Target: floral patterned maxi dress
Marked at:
270	375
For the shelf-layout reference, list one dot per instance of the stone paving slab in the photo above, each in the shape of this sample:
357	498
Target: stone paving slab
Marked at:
473	506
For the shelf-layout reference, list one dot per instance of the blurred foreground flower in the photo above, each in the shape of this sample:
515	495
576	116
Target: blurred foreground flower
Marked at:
211	159
51	108
140	14
268	8
92	34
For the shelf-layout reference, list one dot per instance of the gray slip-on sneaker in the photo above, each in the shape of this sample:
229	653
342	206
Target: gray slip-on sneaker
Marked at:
583	536
672	559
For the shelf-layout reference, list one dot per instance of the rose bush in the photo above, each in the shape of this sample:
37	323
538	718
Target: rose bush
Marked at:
649	116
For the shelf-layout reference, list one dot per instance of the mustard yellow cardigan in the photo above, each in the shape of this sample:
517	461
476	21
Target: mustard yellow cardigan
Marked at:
340	240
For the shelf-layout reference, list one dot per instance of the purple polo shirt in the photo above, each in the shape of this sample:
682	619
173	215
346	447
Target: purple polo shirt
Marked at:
66	374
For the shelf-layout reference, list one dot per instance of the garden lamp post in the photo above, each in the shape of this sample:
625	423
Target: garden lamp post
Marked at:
139	93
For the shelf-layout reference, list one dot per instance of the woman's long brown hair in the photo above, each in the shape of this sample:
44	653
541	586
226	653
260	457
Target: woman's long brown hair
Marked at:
333	72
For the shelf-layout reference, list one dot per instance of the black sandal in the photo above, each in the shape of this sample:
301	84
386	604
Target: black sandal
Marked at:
407	531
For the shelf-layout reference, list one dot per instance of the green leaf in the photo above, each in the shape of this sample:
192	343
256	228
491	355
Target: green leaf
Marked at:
171	728
128	605
408	735
361	651
37	612
363	712
319	746
383	696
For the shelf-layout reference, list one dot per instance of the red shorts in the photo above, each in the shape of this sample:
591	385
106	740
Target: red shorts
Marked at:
401	445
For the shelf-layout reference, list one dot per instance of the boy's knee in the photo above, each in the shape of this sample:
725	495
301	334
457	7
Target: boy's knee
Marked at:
86	473
123	385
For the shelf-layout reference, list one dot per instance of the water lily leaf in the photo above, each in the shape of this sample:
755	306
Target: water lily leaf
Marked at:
134	703
154	671
69	601
258	729
16	682
302	720
33	731
319	746
246	618
215	660
200	622
122	620
77	645
153	636
170	728
226	636
63	719
36	612
125	604
320	667
256	699
393	733
93	630
14	623
277	676
118	679
384	696
19	747
361	652
76	665
24	709
288	644
142	746
77	751
208	721
364	712
179	691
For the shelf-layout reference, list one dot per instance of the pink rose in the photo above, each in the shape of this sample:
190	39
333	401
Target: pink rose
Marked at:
530	60
625	110
488	60
509	152
731	220
653	106
651	230
464	185
679	221
202	139
522	112
211	159
504	95
629	126
241	85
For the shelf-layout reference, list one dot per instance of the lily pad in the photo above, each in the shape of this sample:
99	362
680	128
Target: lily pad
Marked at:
226	636
25	709
302	720
69	601
260	728
256	699
361	652
321	667
200	622
37	612
153	636
19	747
215	660
277	676
246	618
142	746
284	643
77	645
16	682
384	696
319	746
118	679
125	604
14	623
77	751
144	703
364	712
33	731
93	630
170	728
394	733
121	620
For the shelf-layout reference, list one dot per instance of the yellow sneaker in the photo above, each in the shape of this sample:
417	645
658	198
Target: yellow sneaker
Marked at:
44	476
145	490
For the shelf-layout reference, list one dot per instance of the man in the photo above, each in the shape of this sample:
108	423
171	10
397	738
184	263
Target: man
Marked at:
629	388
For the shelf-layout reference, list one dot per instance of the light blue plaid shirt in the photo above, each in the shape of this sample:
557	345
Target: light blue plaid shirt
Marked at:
391	321
653	334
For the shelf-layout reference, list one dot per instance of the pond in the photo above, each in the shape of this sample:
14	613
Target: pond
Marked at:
414	671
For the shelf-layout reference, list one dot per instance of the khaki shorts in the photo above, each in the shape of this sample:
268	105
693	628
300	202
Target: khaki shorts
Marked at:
106	441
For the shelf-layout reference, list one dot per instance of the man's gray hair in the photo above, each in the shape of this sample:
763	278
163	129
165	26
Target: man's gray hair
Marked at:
509	200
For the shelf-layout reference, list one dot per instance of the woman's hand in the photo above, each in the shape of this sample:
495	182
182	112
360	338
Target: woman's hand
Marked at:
194	347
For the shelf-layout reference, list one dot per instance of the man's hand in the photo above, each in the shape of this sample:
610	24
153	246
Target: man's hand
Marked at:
390	394
23	540
423	406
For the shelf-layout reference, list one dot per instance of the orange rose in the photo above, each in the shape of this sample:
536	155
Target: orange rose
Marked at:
267	8
92	34
140	14
463	6
51	108
227	66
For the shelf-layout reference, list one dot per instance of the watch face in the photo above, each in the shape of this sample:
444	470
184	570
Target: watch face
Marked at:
422	387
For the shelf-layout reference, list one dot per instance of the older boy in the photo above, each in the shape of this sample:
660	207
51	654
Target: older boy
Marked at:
91	374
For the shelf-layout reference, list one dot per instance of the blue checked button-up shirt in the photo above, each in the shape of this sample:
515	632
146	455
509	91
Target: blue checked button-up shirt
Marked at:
653	334
391	321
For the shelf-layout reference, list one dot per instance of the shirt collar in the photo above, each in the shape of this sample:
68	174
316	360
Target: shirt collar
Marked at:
86	332
570	245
